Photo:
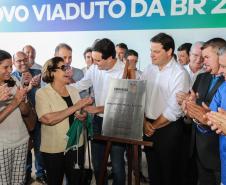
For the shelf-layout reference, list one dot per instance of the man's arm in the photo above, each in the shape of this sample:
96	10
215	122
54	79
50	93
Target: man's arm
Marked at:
94	109
172	111
85	82
149	128
160	122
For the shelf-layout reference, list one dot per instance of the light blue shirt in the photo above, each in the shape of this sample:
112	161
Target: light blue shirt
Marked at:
219	101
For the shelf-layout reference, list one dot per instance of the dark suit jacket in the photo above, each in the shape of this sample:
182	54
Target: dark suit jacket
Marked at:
207	145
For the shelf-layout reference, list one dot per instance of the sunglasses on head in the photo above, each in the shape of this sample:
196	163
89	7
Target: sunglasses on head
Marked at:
64	67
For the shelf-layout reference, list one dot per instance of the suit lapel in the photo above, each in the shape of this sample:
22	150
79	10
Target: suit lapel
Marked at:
206	84
214	89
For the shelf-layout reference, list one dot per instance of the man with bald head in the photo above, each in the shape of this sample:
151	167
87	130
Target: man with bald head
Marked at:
31	54
28	76
20	61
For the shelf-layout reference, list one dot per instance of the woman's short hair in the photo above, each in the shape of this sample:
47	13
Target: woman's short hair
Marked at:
50	67
4	55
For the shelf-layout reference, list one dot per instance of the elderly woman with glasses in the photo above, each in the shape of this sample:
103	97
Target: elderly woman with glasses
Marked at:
56	104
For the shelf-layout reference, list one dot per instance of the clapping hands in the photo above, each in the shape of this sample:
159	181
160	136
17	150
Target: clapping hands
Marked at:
217	121
21	94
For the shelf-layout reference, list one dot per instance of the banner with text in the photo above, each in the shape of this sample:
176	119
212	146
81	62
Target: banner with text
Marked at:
97	15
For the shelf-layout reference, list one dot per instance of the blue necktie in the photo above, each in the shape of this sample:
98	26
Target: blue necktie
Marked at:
213	82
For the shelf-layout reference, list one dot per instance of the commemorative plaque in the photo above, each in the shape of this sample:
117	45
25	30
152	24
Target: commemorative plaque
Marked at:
124	109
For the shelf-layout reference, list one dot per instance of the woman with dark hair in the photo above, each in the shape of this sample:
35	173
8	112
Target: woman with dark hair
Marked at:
56	105
13	133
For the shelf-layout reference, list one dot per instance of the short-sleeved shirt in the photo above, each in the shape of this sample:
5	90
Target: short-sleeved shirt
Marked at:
13	131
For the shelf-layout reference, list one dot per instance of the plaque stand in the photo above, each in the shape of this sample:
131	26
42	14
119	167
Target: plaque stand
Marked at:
132	144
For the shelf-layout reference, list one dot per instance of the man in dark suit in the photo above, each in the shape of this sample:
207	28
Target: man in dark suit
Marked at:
205	147
194	68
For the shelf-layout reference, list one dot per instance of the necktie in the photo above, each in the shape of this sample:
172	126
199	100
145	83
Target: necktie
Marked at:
213	82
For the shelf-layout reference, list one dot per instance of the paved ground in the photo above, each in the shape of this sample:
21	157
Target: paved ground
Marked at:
144	169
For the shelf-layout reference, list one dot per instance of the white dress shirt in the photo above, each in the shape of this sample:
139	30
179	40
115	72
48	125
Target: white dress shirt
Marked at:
162	86
138	74
192	75
100	80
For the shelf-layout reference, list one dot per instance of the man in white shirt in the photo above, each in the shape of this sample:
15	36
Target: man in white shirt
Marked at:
165	77
31	54
131	58
98	75
183	53
88	59
121	50
195	66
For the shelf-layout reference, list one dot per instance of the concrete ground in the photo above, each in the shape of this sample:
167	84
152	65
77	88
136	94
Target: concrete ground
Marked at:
144	170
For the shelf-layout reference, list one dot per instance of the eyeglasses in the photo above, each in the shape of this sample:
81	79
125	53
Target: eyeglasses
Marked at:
24	60
64	67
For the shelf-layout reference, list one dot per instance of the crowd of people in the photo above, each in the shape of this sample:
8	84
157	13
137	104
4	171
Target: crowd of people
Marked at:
185	112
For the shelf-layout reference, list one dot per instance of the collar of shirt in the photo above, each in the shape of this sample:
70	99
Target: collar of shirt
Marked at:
17	74
118	64
187	67
168	65
216	76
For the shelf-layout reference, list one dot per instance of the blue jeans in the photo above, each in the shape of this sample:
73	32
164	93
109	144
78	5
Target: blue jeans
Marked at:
117	156
36	135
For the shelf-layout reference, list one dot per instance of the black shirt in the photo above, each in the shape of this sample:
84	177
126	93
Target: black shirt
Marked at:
69	104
